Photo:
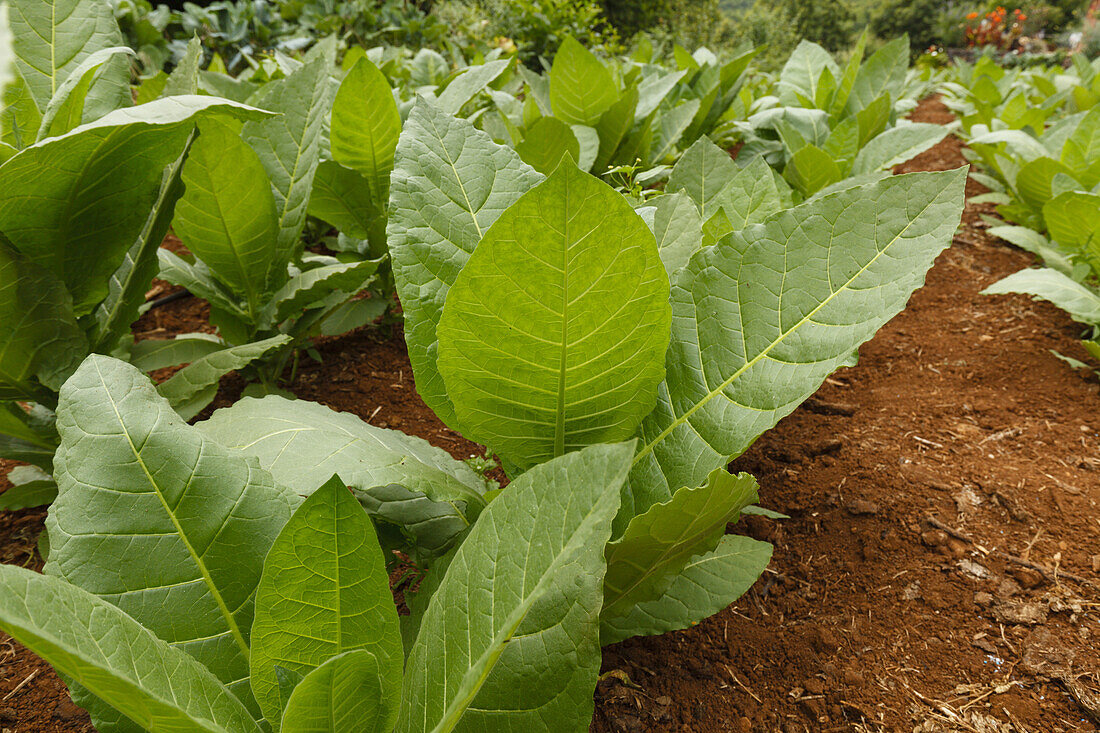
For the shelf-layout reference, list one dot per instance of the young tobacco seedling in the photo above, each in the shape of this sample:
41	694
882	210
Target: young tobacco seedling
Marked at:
214	599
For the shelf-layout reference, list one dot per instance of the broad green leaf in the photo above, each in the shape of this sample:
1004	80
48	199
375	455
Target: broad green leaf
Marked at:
1081	151
1031	241
67	107
702	172
653	89
546	142
450	183
588	141
152	354
7	56
289	144
85	197
613	126
1080	302
227	216
677	227
883	73
157	519
896	146
343	695
19	116
509	645
40	342
91	641
30	487
707	584
307	288
365	128
659	542
873	119
751	196
811	169
113	316
341	197
569	354
325	591
463	87
197	278
184	79
192	388
671	129
786	302
400	479
53	37
1073	220
581	87
801	75
1035	179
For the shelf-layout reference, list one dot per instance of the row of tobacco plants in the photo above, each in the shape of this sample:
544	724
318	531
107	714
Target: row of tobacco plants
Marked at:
613	341
1035	134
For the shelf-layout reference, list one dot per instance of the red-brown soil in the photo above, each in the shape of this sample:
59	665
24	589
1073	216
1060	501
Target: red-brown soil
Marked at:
891	604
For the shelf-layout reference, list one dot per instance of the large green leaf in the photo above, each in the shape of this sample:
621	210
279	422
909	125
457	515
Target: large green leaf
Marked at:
342	198
883	73
546	142
751	196
227	216
678	229
113	316
763	316
1073	220
40	342
703	171
365	128
802	75
73	102
76	204
400	479
659	542
289	144
53	37
1080	302
343	695
897	145
468	83
811	169
553	335
450	183
706	585
511	640
192	388
581	87
159	520
309	287
94	643
1081	151
325	591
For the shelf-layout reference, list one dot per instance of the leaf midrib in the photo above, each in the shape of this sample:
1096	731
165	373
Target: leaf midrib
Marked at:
199	563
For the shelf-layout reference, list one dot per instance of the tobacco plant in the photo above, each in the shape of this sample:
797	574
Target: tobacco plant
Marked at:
87	189
825	124
606	113
188	590
543	315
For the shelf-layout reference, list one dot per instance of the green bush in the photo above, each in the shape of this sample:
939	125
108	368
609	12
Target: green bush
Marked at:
829	23
918	18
